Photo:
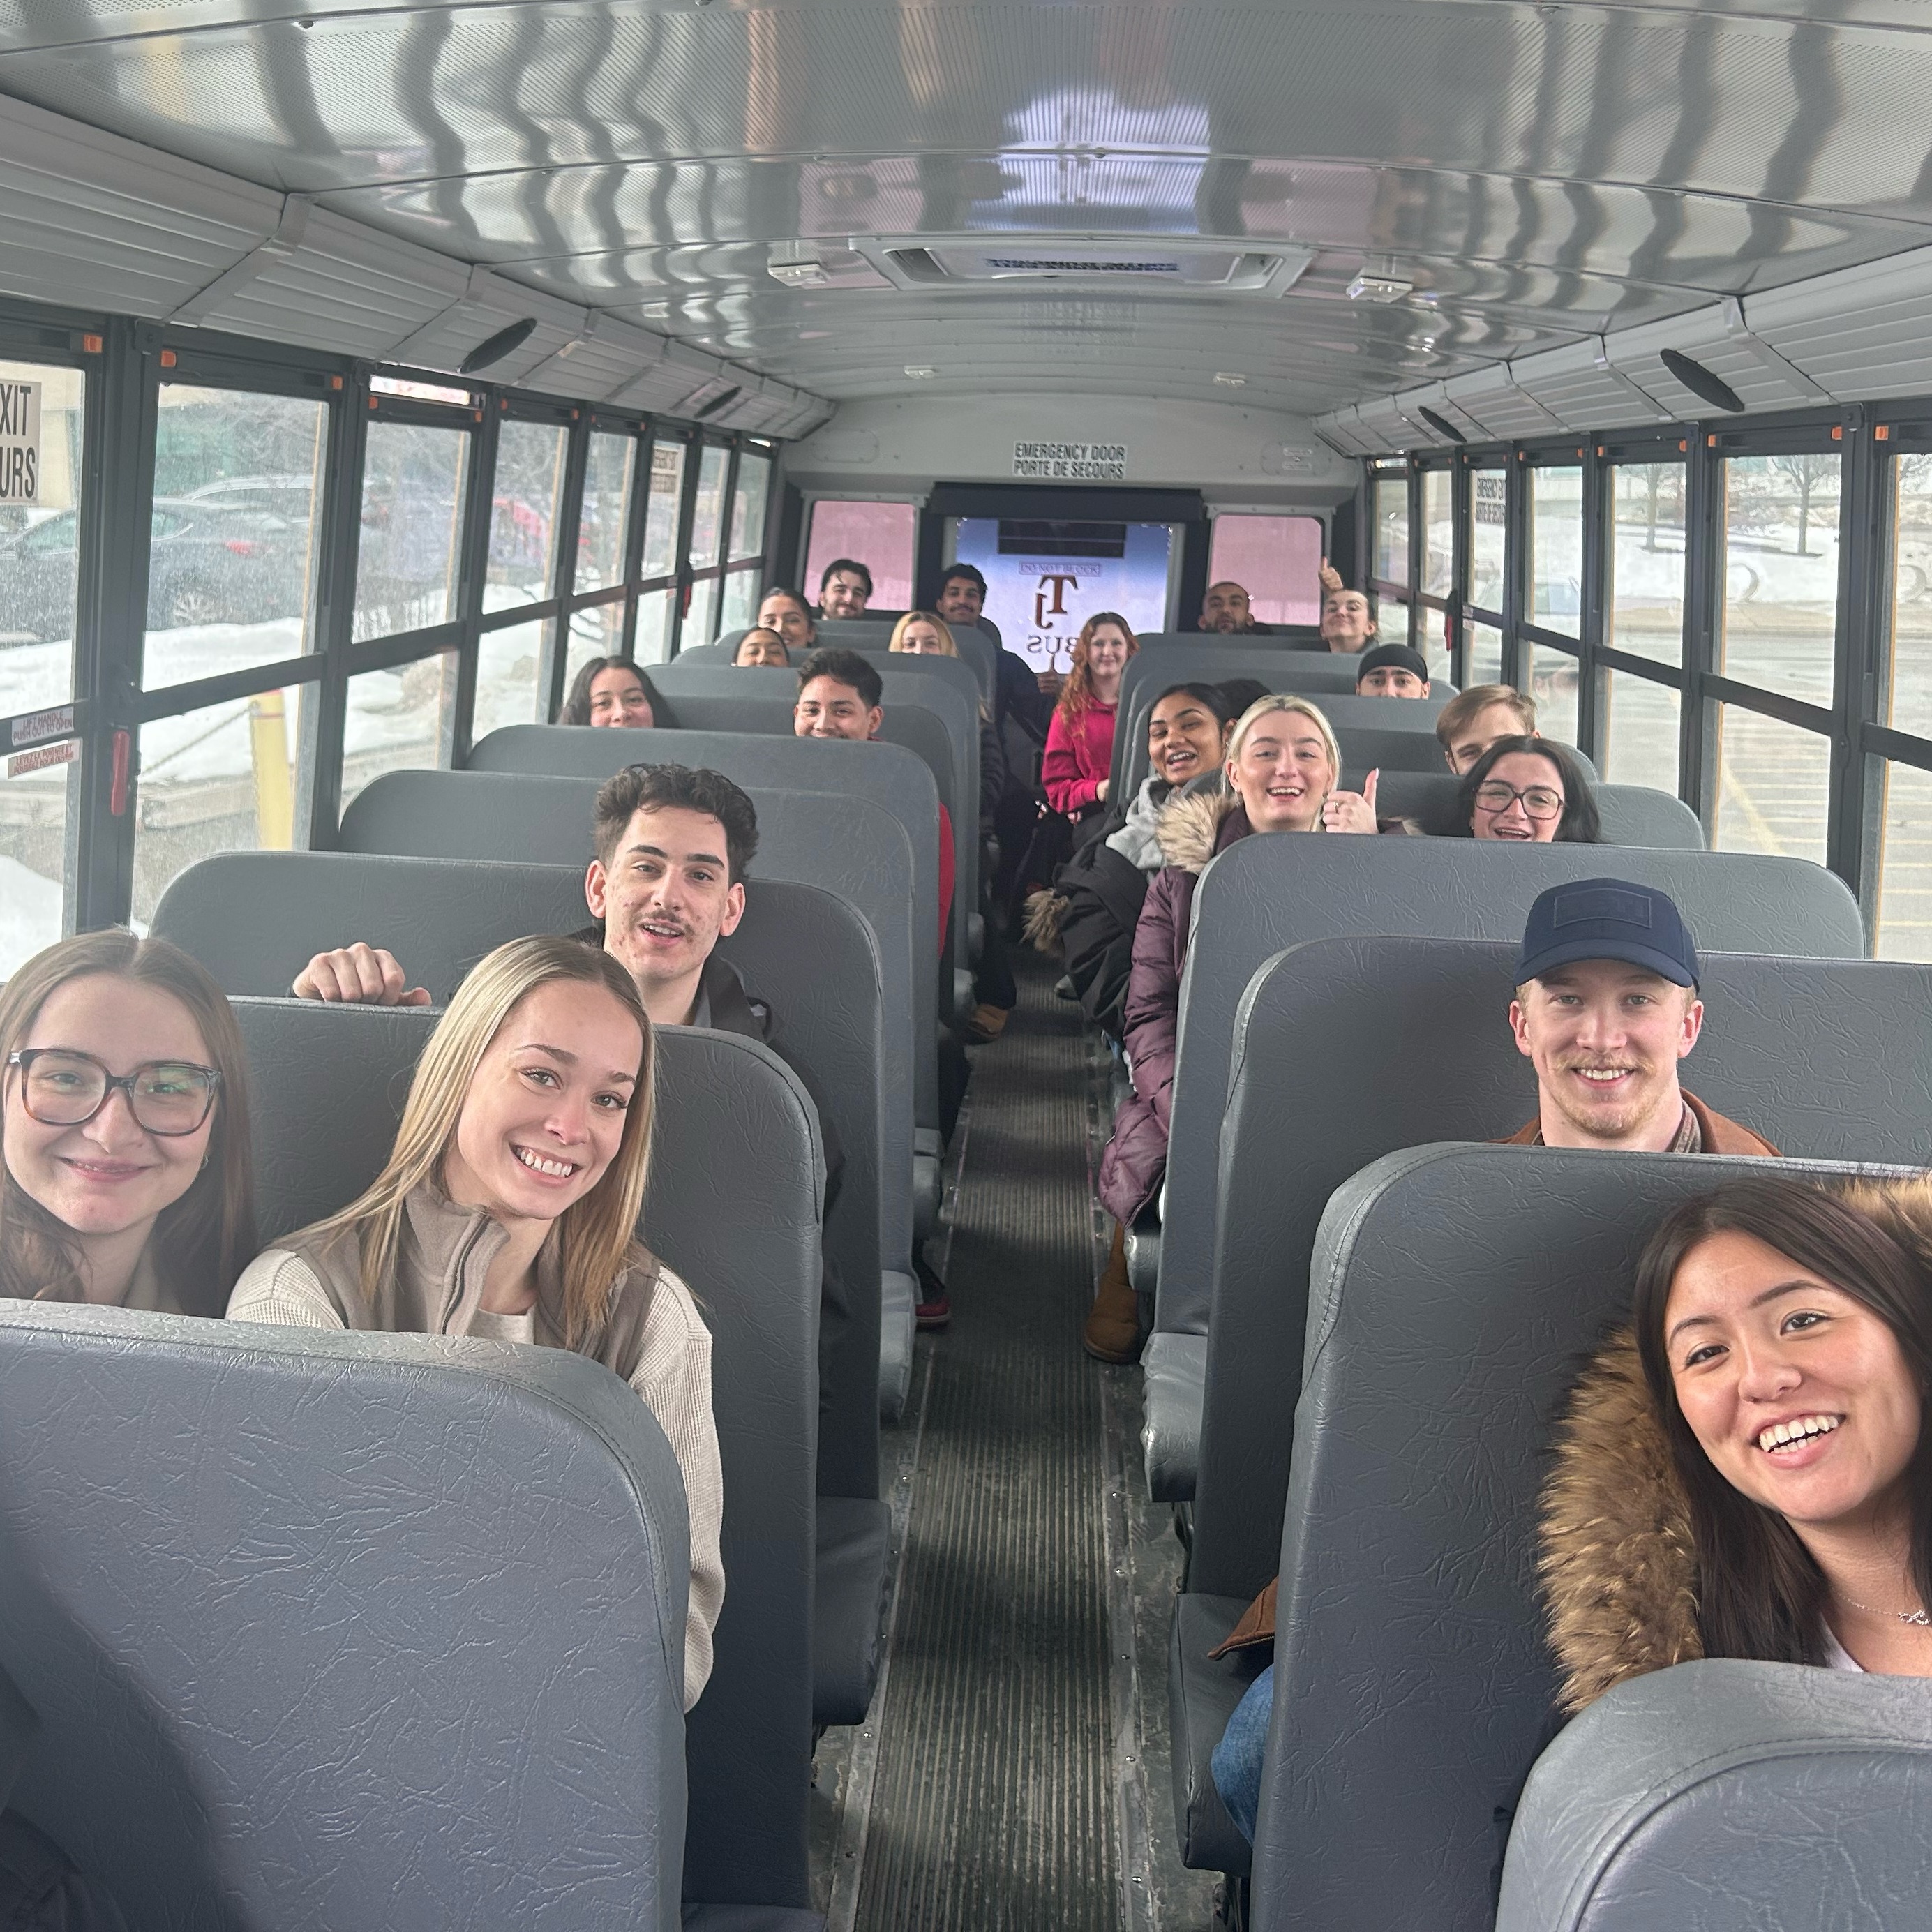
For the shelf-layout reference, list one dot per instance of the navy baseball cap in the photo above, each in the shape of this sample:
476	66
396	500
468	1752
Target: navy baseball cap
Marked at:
1606	919
1399	655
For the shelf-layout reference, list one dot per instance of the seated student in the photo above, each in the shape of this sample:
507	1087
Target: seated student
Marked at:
507	1210
1226	611
1392	670
759	646
1529	790
1348	621
1095	903
1080	740
128	1176
1606	1006
1746	1471
1473	720
844	588
920	633
839	696
1018	691
787	613
609	691
1283	766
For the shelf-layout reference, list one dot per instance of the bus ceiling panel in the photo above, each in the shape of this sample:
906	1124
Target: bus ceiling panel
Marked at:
350	97
89	221
1864	334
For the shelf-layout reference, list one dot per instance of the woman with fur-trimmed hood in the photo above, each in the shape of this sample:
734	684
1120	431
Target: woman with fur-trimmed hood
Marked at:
1283	766
1745	1472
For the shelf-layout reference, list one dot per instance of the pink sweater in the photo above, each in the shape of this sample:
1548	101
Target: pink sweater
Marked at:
1078	757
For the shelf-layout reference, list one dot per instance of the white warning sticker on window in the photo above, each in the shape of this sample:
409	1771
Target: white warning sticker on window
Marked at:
20	442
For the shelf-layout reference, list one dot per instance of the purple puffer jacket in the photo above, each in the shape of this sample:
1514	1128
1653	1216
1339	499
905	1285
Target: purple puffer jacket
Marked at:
1191	831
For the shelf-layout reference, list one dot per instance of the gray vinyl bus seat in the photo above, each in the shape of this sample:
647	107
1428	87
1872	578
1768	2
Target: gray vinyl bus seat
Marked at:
832	1030
233	1558
914	722
851	847
1406	723
1454	1294
732	1205
1411	1037
1730	1796
1264	894
871	633
888	774
1631	814
950	694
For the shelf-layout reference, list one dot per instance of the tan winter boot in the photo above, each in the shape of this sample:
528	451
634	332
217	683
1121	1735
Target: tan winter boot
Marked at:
1113	1331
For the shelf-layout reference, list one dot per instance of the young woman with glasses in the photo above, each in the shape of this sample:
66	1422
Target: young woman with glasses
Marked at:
1530	791
127	1177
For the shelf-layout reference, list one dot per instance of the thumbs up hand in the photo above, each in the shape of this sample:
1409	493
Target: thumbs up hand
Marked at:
1351	810
1330	576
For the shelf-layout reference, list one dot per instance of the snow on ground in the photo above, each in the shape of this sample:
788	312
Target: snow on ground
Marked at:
30	914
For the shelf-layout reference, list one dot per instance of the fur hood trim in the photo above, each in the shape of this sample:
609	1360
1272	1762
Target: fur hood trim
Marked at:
1618	1563
1045	909
1189	827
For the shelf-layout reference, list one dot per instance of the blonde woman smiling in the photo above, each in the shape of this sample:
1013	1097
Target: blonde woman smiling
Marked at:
506	1211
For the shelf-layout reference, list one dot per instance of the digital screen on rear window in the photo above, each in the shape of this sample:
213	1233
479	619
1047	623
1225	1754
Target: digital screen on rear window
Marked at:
1045	577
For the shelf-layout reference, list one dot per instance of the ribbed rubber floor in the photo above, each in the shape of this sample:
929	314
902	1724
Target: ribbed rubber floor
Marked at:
994	1807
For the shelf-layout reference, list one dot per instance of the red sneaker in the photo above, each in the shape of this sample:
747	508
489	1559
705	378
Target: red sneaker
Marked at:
933	1314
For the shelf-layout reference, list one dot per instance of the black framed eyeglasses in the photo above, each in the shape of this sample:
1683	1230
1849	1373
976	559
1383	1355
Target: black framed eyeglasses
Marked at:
1540	801
61	1087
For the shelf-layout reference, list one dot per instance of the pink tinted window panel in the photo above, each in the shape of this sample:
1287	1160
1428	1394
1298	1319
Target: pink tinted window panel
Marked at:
1276	560
880	535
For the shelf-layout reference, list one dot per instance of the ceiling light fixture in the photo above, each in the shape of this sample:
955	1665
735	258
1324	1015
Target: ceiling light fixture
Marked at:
494	348
801	271
1379	286
1702	383
1229	380
655	311
921	372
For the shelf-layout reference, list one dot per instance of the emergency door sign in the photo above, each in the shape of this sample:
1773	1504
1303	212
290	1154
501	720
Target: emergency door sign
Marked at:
19	443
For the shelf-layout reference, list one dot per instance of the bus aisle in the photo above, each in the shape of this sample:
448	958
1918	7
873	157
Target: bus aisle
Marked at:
989	1787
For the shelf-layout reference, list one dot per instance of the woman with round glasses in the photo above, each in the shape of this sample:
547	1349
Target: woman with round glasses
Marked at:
1530	791
127	1178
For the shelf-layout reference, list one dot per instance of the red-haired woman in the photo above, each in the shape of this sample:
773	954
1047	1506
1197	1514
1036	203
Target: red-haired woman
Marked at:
1080	740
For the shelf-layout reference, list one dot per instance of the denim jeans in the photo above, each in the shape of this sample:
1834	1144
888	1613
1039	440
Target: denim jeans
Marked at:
1237	1764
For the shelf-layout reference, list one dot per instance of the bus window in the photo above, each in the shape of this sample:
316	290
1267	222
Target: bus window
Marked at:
412	484
40	575
507	664
880	535
230	564
1640	725
1275	559
1556	548
399	720
526	502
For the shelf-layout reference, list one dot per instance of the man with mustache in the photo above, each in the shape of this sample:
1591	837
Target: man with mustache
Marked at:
1606	1006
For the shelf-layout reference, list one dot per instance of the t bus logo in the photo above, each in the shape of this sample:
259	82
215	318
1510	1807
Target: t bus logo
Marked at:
1049	596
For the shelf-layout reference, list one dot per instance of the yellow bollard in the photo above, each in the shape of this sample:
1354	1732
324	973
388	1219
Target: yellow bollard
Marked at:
275	778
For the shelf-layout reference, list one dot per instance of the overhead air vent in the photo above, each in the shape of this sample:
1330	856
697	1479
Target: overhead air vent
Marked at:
1702	382
1123	265
493	348
718	403
1440	424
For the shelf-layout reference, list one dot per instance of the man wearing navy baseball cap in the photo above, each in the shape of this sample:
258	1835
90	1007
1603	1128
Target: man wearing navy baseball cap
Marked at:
1606	1006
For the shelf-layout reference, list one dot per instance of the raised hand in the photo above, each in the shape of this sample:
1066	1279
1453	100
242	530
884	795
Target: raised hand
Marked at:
359	975
1331	578
1351	810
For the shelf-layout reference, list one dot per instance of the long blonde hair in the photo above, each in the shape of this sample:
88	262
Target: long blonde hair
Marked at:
1282	700
201	1242
597	1234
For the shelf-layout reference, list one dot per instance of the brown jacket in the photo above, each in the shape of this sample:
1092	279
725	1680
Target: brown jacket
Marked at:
1720	1136
1619	1567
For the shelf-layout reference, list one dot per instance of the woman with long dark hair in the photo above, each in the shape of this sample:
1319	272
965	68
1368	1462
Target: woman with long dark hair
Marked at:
1748	1473
128	1176
609	691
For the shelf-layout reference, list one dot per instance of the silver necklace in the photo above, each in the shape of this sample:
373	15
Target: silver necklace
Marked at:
1920	1617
